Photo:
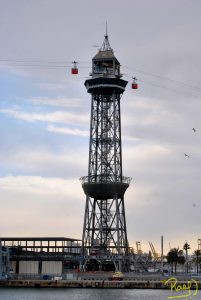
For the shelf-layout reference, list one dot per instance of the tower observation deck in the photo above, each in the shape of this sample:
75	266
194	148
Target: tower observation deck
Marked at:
104	240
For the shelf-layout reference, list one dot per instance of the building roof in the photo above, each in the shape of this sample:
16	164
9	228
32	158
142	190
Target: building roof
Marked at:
105	52
37	239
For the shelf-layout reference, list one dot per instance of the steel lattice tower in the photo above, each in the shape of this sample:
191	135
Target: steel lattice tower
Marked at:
104	231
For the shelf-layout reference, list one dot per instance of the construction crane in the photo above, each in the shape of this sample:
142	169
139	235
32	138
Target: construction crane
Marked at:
199	244
155	254
131	250
138	246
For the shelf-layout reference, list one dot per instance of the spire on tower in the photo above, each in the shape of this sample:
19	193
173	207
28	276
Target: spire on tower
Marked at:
106	44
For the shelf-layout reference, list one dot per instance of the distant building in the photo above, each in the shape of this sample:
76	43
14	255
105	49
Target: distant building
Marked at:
40	255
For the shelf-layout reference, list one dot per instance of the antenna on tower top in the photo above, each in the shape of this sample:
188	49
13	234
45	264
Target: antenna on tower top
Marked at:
106	45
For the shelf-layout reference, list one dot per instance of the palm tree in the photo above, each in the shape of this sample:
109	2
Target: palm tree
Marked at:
186	247
197	260
174	257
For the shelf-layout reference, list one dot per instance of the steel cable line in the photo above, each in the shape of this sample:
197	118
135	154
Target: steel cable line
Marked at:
38	65
64	63
163	78
170	88
59	64
39	60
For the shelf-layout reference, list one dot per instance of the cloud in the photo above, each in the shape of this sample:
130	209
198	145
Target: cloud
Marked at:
68	131
37	203
56	101
38	185
159	199
157	119
54	117
47	163
52	86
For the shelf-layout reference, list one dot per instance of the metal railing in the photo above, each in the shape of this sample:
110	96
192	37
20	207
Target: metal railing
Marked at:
105	179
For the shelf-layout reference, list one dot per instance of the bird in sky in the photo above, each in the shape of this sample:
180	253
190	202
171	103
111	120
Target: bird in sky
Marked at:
186	155
194	129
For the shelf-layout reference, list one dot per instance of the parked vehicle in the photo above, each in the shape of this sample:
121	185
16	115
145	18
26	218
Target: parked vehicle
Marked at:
118	276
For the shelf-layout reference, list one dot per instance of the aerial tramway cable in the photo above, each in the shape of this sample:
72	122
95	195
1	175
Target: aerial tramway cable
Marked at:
62	64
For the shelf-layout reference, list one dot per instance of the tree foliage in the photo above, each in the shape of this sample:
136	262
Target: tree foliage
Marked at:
174	257
197	259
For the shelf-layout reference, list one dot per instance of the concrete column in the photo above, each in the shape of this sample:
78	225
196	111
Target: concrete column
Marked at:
162	254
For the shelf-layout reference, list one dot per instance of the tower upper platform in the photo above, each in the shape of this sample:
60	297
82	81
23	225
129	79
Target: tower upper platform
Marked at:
104	62
105	71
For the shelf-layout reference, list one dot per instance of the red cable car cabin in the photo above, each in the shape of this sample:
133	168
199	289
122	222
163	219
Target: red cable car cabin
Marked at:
74	69
134	84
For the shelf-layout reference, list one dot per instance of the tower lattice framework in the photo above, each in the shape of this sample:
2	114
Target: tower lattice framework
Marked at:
104	232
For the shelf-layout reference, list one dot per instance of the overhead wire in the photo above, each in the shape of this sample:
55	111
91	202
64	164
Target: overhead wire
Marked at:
41	62
163	78
62	64
59	64
168	88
